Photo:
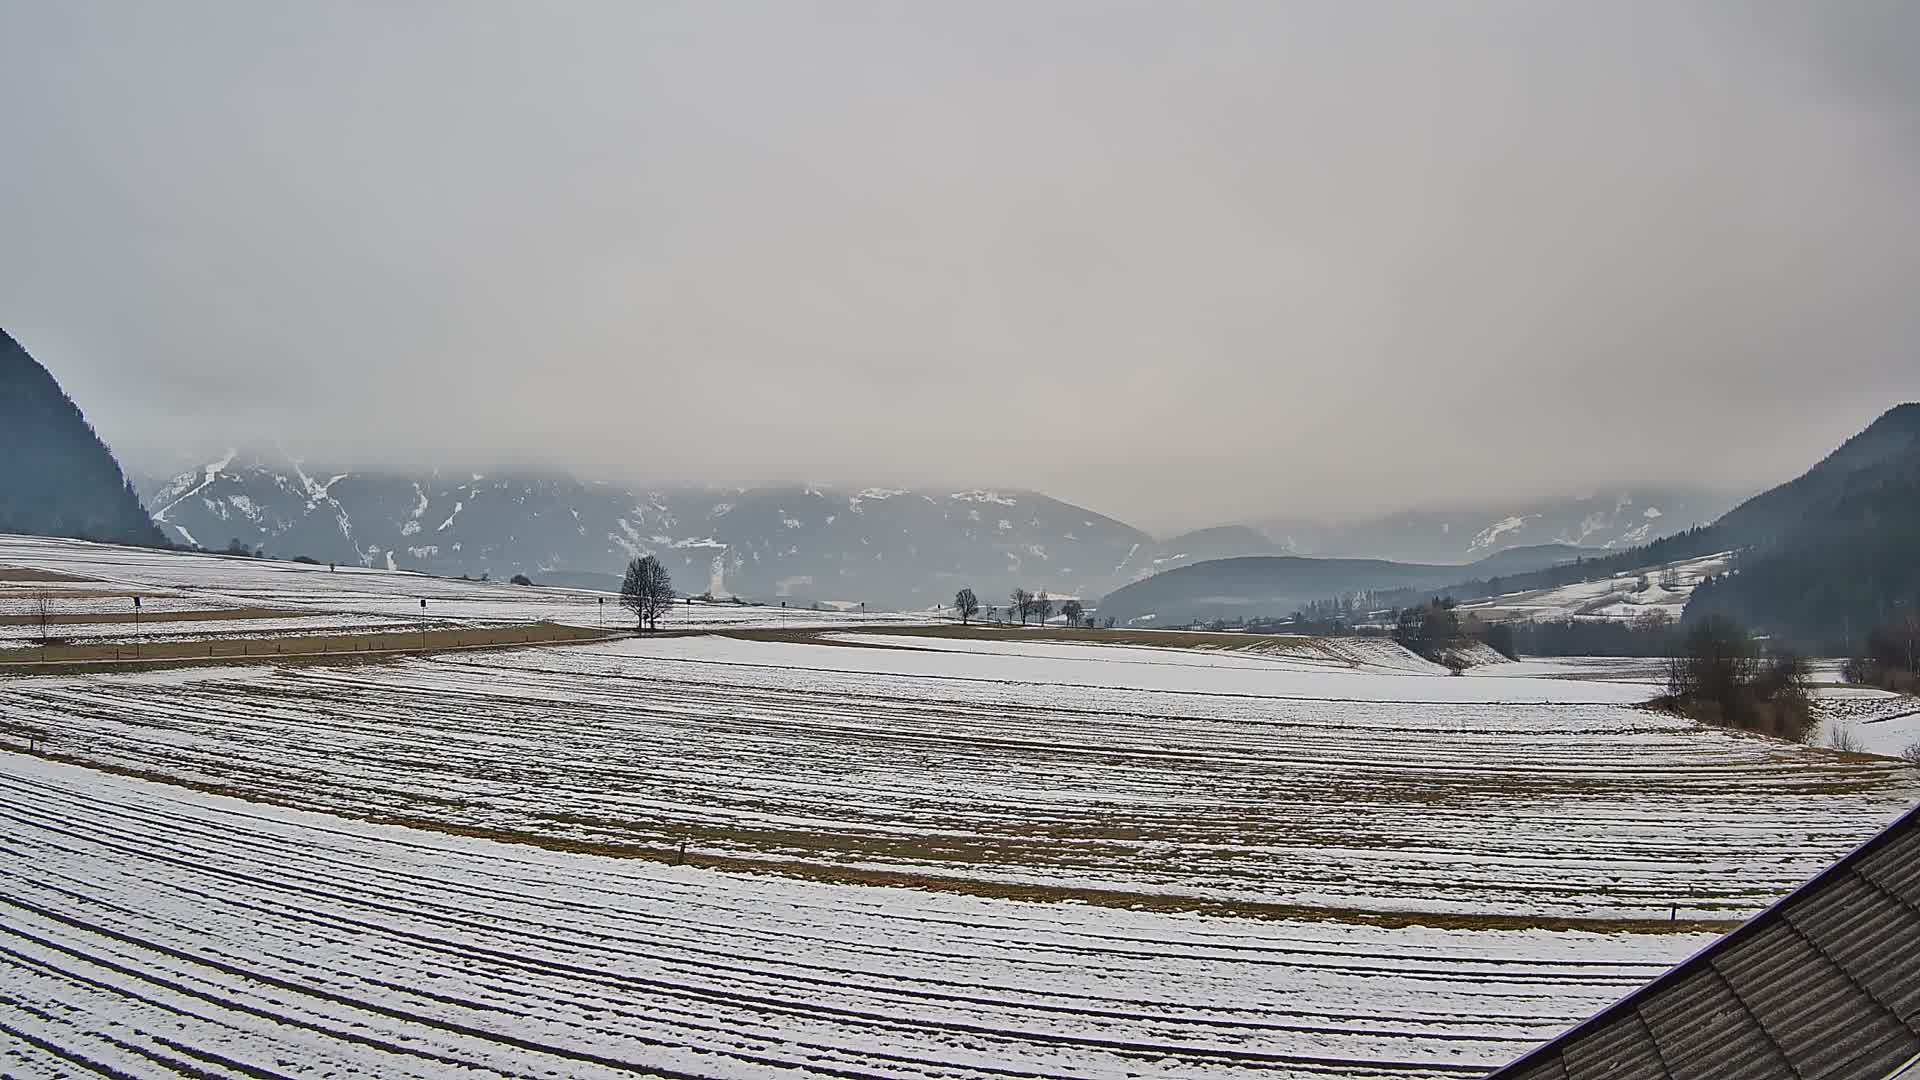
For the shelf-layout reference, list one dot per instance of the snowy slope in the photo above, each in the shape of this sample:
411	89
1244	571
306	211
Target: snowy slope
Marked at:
1459	534
886	546
1663	588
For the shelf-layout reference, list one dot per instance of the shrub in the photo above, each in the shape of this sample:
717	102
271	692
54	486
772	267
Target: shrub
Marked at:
1911	754
1717	677
521	579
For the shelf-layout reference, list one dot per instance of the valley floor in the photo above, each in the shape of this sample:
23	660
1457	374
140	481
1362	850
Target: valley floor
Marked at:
853	853
149	929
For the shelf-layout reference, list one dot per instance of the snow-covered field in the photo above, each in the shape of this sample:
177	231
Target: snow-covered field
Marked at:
1668	587
152	930
217	581
1872	721
1862	718
1202	777
913	855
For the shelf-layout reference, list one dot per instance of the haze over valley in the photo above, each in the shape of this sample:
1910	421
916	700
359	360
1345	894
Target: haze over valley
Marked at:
960	541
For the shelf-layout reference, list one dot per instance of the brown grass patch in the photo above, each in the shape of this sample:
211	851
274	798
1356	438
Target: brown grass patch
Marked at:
26	592
1160	639
28	573
313	648
104	618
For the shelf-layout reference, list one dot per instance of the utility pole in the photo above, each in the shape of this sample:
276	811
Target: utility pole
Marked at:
423	624
136	626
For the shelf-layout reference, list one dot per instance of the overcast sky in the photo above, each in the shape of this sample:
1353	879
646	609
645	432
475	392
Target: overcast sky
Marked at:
1180	262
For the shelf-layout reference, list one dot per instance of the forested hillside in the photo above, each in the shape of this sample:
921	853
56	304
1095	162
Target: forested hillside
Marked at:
56	477
1820	559
1836	552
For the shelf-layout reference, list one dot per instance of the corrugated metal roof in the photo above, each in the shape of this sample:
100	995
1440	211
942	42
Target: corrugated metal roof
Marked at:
1824	985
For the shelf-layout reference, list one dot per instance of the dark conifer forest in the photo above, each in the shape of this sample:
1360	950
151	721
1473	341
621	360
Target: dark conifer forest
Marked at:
56	477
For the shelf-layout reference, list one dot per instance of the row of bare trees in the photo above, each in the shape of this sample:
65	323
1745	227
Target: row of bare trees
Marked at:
1021	604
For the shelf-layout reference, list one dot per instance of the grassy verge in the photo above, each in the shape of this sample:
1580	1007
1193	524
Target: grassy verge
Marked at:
125	618
1161	639
322	648
27	573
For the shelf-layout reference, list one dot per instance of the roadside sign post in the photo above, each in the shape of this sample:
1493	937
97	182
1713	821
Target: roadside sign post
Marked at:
136	626
423	624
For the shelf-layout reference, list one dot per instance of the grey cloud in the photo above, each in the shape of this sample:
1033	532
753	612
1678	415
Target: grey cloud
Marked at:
1179	262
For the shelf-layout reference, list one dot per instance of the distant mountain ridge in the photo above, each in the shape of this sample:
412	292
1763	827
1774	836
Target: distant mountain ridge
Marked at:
885	546
1463	534
1816	560
57	478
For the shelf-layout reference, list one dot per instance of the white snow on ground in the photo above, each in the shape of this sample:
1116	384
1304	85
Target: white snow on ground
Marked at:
215	931
208	473
153	930
1491	535
218	581
1308	674
1618	598
1872	721
1216	776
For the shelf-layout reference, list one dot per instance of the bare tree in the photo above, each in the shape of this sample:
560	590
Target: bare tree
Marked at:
647	591
966	604
43	613
1022	604
1072	610
1043	607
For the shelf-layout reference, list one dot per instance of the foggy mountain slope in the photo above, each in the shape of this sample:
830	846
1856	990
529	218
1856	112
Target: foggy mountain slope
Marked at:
1275	586
58	478
1891	442
1467	532
885	546
1831	553
1204	545
1814	561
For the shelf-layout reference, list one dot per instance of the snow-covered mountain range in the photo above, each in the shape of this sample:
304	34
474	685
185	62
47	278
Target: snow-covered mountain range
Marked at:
1461	534
888	547
884	546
